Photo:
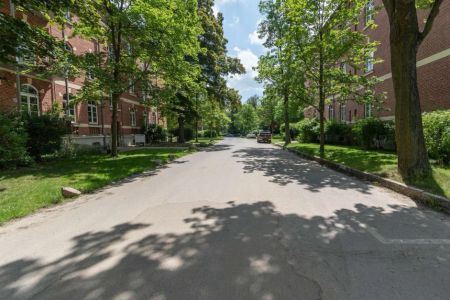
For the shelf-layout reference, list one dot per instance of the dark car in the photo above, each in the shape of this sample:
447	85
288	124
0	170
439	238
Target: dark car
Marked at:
264	137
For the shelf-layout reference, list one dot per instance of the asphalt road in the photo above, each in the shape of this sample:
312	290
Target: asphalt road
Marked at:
238	221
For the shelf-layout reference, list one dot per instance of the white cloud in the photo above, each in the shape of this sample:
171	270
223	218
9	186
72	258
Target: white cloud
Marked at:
246	83
215	9
234	22
254	39
248	59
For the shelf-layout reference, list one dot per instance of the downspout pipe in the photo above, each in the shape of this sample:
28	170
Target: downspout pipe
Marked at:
12	11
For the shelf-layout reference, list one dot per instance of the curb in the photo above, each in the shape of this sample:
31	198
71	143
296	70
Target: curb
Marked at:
414	193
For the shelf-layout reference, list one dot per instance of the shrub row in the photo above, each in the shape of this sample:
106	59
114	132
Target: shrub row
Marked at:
188	133
24	138
373	133
207	133
155	134
436	127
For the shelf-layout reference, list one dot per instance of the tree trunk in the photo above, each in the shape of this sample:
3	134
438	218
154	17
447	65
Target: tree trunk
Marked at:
321	103
287	131
322	127
196	130
114	134
181	138
413	160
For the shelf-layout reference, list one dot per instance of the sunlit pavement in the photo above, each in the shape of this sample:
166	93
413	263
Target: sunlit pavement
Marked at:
237	221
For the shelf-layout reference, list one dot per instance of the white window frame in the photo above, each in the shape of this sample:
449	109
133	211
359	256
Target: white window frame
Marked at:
68	110
92	112
133	117
89	75
368	65
330	112
369	11
343	112
28	97
368	110
131	89
145	114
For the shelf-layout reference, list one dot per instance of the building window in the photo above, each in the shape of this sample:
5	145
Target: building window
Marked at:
28	60
145	119
110	51
68	106
330	113
89	74
68	16
343	112
29	100
369	62
133	117
369	11
131	89
92	112
368	110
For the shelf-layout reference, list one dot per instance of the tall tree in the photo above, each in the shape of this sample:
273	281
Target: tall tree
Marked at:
214	62
267	110
254	101
405	39
247	119
329	53
140	43
275	66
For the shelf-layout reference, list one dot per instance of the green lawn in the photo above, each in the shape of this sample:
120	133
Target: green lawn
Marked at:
382	163
24	190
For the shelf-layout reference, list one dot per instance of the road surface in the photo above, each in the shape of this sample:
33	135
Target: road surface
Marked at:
238	221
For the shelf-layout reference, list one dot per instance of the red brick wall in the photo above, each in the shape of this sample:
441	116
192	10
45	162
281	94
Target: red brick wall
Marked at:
51	91
433	78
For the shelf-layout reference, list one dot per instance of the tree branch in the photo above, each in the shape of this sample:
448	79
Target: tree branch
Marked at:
430	20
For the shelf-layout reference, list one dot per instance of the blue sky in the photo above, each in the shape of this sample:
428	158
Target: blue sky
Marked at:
240	24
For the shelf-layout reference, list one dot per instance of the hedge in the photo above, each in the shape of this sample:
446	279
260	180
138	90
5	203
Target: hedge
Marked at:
436	127
373	133
13	139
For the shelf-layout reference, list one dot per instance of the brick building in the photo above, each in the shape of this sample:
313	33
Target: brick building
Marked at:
433	68
90	121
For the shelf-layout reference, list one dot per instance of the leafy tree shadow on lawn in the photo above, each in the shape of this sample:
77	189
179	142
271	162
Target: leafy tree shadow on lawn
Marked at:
283	168
241	251
127	163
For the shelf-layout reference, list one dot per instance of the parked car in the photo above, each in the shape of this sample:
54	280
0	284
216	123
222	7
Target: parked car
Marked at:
251	136
264	137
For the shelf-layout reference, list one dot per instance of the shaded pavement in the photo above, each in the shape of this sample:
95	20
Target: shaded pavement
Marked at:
238	221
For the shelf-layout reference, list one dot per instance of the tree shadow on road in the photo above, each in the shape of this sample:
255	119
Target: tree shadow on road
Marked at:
283	168
246	251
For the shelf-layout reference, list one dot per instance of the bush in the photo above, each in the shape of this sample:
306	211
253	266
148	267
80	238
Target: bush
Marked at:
155	134
338	133
209	133
44	134
13	140
293	129
373	133
436	127
308	130
188	133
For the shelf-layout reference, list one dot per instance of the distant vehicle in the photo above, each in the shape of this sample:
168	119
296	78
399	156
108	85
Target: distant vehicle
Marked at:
251	136
264	137
229	135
